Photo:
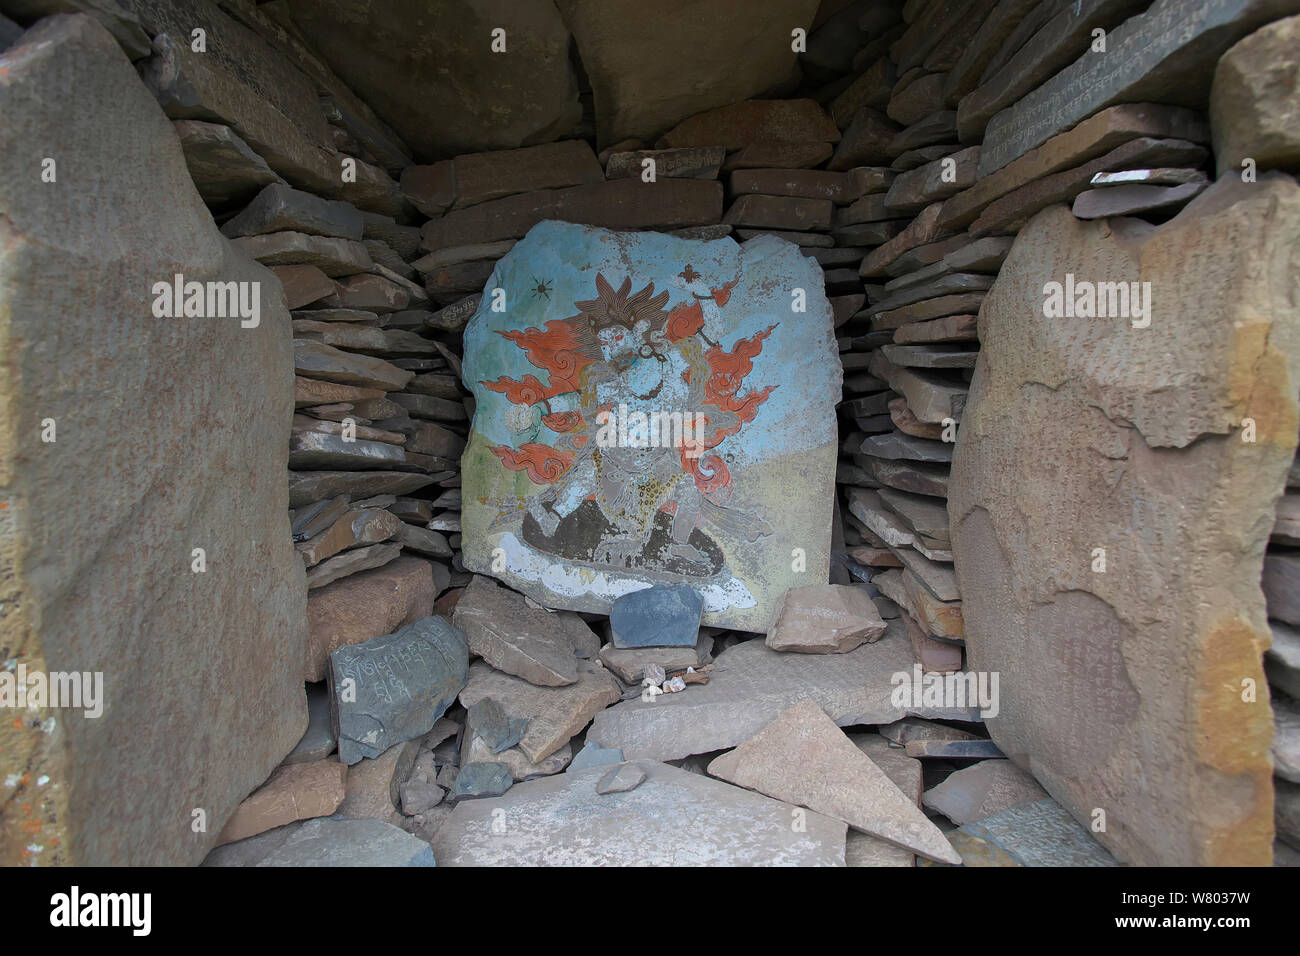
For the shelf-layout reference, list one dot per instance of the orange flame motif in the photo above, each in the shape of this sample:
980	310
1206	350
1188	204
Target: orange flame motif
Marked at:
556	351
544	464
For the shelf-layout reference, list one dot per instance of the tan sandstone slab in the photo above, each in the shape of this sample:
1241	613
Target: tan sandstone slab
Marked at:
1142	427
802	757
824	619
294	792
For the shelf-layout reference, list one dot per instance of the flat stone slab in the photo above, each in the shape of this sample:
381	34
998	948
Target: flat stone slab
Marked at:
1037	833
329	841
630	664
973	793
751	684
402	683
658	616
528	642
825	619
713	324
294	792
279	208
1129	199
802	757
308	486
554	714
621	779
674	818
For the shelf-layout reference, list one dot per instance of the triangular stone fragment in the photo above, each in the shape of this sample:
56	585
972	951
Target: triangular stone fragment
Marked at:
802	757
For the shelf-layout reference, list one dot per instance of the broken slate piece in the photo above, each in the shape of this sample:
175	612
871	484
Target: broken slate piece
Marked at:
954	749
528	642
593	756
400	684
481	780
802	757
500	732
824	619
660	616
981	790
621	779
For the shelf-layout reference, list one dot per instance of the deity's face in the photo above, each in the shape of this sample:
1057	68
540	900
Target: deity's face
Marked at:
615	341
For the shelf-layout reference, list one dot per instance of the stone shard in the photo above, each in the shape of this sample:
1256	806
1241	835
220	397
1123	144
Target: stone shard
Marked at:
528	642
803	758
751	684
319	360
1139	431
683	819
580	530
1165	54
1254	106
294	792
554	714
410	61
332	841
621	779
824	619
630	664
688	162
401	683
182	407
333	256
280	208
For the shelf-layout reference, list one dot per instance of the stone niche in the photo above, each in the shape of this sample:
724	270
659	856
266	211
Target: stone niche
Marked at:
170	434
566	500
1158	445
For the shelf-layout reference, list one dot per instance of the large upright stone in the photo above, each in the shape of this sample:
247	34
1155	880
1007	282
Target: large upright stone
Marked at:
648	69
157	419
1165	55
582	510
1142	427
411	60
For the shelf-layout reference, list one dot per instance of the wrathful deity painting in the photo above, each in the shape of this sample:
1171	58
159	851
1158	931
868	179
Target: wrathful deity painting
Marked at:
651	410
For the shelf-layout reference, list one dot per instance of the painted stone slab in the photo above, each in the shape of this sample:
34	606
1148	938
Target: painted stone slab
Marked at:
651	410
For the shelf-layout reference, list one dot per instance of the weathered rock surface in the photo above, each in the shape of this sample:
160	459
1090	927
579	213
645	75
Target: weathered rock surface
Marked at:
554	714
751	684
528	642
225	170
561	547
803	758
1035	833
981	790
1149	466
410	61
682	819
824	619
280	208
182	407
365	605
294	792
401	683
1254	103
329	842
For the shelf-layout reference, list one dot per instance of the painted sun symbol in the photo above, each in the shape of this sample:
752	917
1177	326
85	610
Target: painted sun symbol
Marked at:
541	288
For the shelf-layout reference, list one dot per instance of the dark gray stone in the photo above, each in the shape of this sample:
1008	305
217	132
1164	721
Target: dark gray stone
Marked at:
481	780
279	208
318	742
658	616
403	682
592	755
494	726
